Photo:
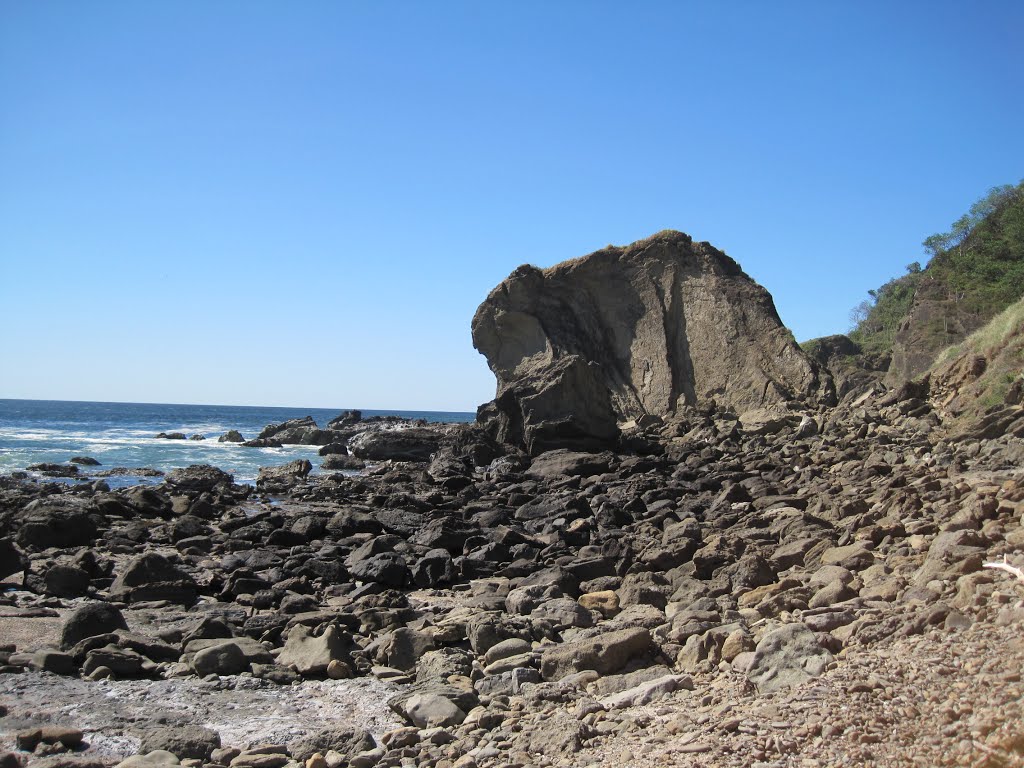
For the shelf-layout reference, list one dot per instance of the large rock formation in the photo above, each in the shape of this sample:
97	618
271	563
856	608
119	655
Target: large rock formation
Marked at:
624	332
935	321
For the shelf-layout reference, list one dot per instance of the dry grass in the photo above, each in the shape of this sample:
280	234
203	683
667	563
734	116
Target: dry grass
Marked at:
988	338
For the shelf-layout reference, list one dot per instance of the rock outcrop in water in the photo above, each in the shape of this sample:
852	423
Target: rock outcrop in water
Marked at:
628	332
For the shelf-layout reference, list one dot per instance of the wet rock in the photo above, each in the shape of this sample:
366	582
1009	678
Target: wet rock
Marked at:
281	478
197	478
54	470
231	436
266	442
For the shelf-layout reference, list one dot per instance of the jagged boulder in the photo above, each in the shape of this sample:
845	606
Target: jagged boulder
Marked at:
151	576
625	332
283	477
302	431
197	478
416	444
56	522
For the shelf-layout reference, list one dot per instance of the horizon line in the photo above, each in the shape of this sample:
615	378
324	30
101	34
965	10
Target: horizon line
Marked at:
229	405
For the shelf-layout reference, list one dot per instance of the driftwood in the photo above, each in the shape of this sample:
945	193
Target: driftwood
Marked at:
1005	566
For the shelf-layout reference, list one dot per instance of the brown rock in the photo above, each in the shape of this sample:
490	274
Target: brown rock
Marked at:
604	654
626	332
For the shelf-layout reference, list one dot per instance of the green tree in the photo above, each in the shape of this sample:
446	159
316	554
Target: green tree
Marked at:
977	266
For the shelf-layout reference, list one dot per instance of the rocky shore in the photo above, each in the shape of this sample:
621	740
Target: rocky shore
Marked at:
818	576
518	611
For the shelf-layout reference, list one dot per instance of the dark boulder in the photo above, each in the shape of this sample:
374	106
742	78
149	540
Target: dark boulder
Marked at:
554	464
281	478
54	470
89	621
66	581
188	527
11	559
434	569
148	502
416	444
272	430
339	461
446	533
302	431
333	449
128	472
56	522
153	577
231	436
85	461
197	478
345	419
263	442
387	568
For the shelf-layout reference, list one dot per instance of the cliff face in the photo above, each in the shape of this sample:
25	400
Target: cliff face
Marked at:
978	386
935	321
624	332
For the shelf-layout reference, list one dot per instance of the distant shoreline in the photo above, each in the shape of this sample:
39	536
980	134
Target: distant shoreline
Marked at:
404	412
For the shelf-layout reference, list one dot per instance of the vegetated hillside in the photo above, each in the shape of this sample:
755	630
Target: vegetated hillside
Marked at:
978	385
976	270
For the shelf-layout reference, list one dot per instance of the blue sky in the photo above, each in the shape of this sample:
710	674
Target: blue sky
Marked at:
304	203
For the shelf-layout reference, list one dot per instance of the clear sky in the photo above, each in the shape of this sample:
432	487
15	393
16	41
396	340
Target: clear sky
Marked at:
304	203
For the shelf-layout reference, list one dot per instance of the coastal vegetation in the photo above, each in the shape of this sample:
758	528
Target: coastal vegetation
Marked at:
974	271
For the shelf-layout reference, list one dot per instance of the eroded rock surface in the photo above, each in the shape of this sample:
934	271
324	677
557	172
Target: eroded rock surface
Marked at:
628	332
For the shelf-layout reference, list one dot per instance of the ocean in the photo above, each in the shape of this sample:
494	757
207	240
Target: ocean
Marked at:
124	435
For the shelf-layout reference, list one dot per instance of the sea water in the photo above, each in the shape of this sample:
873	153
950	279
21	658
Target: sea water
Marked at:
124	435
